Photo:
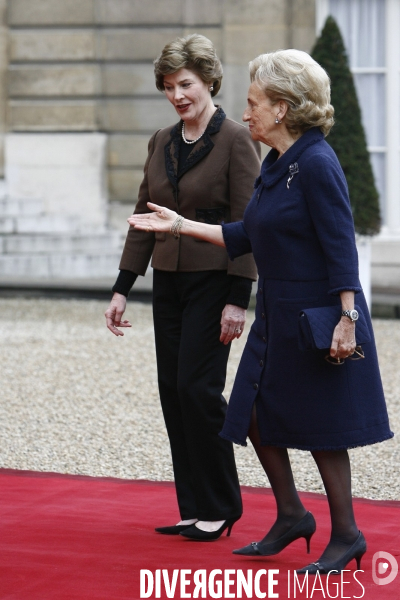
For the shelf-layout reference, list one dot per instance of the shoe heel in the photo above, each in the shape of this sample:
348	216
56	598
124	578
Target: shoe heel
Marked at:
308	540
228	533
358	560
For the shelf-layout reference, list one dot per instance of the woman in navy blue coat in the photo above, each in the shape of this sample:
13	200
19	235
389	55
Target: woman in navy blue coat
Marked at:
299	227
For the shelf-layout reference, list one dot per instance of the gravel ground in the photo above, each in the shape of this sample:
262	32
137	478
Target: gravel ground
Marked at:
75	399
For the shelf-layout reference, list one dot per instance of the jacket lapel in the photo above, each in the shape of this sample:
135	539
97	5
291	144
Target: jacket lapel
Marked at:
200	150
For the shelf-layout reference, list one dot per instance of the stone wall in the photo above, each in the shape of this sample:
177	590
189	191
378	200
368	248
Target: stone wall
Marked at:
79	66
78	104
77	107
3	72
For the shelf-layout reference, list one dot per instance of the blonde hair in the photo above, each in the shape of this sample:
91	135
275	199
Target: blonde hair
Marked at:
295	77
194	52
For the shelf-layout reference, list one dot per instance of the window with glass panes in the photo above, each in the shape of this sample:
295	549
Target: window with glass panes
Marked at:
371	33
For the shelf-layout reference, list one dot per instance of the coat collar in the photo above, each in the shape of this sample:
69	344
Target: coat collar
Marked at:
201	149
272	169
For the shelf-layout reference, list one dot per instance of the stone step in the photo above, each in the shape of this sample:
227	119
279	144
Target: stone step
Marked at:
3	189
20	207
63	243
46	224
12	265
60	266
7	225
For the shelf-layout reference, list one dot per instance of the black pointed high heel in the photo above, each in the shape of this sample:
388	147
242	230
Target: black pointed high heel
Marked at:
173	529
194	533
357	551
304	528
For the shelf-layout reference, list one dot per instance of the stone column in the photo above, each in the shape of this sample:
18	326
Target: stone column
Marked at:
54	150
3	91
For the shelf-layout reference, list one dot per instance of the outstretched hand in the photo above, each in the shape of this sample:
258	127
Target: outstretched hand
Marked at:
160	220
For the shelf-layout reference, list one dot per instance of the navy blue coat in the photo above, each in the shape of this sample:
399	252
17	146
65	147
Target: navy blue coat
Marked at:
300	229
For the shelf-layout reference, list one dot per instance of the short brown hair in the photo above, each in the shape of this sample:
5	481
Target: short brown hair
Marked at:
194	52
296	78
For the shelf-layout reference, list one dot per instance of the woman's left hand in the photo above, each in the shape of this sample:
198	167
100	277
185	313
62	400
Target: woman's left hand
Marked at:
344	339
232	323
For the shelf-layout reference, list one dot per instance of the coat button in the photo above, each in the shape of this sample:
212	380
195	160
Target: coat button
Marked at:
262	315
265	339
260	290
255	386
261	363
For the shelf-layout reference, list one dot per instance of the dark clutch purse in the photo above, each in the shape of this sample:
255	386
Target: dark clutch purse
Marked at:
316	326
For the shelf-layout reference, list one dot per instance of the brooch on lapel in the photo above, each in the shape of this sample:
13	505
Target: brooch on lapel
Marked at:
293	169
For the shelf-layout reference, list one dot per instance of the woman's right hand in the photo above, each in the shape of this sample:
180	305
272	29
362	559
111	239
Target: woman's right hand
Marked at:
160	220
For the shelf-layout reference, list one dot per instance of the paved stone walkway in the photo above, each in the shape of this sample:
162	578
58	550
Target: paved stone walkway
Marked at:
76	399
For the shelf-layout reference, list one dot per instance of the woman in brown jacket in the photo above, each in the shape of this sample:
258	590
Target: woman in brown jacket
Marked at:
204	168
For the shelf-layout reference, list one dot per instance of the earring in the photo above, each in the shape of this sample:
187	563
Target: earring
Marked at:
277	121
211	88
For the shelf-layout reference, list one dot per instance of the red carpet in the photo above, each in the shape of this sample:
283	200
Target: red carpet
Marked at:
80	538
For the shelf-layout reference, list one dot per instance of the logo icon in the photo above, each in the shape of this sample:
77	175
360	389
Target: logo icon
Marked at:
380	566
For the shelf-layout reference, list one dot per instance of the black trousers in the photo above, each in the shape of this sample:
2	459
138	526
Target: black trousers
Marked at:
191	364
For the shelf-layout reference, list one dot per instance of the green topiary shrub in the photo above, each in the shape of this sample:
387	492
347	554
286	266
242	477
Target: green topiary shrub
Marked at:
347	136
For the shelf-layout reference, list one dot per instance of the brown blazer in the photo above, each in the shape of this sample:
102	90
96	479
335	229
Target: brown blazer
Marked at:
214	185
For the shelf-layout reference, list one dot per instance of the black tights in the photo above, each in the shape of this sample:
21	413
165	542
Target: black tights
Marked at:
334	468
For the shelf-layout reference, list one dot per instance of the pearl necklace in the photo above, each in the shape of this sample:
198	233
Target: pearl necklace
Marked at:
192	141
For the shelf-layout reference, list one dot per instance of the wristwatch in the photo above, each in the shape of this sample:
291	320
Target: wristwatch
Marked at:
352	314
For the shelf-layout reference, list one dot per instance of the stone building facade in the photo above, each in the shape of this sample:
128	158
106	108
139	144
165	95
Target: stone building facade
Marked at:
78	104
